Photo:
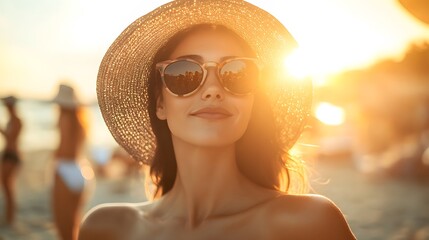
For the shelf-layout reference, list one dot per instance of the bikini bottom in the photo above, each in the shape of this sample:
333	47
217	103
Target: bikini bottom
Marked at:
11	156
70	173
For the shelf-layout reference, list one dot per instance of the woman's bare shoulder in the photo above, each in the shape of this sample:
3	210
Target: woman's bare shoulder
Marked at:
307	216
112	221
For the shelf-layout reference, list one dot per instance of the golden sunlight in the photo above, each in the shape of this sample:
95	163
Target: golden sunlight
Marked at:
303	64
295	65
330	114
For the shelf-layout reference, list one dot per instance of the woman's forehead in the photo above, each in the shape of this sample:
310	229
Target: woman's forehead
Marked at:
209	44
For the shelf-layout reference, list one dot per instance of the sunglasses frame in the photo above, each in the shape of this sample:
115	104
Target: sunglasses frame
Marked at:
161	66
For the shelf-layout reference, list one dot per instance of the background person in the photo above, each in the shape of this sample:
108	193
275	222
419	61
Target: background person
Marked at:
68	189
10	160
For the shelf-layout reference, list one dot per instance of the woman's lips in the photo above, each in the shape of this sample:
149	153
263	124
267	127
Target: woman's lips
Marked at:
211	113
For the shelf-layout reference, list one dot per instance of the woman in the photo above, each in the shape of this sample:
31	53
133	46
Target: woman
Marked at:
69	183
195	90
10	160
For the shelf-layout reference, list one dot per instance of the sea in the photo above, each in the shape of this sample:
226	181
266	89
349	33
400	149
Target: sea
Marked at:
40	132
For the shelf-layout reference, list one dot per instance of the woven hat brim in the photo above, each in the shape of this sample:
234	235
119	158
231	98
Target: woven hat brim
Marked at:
125	68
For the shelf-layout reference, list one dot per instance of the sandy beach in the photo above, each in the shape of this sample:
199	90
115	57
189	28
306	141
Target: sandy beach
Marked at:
376	207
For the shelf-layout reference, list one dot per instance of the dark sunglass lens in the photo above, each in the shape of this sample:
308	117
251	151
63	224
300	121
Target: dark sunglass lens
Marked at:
239	76
183	77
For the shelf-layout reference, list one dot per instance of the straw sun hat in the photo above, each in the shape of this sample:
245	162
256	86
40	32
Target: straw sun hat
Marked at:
124	71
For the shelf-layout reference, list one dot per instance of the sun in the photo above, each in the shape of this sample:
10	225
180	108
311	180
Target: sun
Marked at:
303	64
296	65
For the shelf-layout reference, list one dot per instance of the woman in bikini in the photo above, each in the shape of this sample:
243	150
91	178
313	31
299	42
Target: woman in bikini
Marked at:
196	90
68	189
10	160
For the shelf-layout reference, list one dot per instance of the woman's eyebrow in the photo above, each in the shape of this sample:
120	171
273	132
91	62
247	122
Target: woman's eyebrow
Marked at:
197	58
227	57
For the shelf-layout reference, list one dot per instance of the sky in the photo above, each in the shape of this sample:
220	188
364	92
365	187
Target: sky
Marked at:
47	42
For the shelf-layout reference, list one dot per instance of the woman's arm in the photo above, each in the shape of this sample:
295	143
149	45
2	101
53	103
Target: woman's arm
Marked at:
307	217
109	222
329	221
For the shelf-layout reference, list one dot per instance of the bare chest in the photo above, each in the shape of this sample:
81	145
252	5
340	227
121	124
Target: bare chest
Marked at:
243	227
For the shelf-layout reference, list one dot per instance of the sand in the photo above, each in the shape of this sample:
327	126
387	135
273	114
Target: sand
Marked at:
34	184
376	207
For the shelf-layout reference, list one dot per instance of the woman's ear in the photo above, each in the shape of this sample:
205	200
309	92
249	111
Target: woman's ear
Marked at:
160	110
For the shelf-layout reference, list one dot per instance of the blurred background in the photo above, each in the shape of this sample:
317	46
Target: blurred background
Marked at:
366	144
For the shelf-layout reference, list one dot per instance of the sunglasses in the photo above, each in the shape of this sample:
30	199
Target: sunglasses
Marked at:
183	77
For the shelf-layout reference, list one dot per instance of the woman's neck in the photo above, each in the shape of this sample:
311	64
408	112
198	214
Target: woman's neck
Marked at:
208	183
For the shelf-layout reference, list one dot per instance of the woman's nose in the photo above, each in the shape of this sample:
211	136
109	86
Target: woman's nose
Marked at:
212	88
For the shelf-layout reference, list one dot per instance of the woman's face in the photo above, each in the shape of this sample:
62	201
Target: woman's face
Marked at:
211	116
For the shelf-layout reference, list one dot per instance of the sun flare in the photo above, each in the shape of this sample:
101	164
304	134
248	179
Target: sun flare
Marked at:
330	114
304	64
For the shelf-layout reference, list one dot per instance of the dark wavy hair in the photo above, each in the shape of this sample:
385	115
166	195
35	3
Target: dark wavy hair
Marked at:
258	154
